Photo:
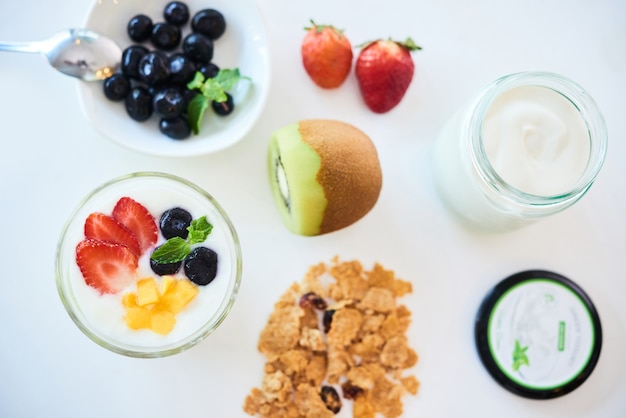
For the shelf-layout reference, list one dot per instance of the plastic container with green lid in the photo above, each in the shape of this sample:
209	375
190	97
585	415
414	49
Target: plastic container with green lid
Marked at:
538	334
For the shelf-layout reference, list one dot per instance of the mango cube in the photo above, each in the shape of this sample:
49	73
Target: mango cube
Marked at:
129	300
137	317
155	308
179	296
162	322
147	292
167	283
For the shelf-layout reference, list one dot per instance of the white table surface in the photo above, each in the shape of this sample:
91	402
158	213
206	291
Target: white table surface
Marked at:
52	157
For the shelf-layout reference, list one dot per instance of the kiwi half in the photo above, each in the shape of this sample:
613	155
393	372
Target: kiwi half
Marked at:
324	174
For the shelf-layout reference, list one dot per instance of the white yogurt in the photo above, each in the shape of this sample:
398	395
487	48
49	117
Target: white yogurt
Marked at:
536	140
527	146
102	316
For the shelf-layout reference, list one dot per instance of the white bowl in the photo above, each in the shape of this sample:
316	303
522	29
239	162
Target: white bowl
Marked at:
243	46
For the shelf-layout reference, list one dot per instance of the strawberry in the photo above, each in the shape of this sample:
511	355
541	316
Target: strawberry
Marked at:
384	70
136	218
107	267
103	227
326	55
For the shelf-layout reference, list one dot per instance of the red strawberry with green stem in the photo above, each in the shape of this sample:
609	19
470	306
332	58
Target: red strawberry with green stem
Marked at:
384	71
136	218
107	267
326	55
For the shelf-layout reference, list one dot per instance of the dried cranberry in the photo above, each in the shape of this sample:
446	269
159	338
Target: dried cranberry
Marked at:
351	391
312	300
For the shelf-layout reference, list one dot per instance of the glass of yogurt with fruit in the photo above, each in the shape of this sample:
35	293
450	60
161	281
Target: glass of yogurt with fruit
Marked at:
148	265
527	146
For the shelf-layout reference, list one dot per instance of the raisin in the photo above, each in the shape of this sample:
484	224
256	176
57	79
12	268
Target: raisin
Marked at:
351	391
331	399
312	300
327	319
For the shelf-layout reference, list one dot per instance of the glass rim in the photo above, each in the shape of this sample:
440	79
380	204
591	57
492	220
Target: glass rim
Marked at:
577	96
68	298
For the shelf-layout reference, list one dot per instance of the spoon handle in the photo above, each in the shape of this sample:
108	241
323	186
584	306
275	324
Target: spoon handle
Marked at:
28	47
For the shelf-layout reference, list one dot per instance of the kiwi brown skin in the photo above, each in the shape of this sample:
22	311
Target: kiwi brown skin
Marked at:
349	171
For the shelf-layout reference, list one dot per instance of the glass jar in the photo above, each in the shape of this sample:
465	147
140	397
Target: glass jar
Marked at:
102	314
465	162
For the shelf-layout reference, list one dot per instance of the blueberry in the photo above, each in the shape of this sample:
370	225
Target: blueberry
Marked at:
130	60
209	22
176	128
176	13
154	68
165	36
169	102
209	70
163	269
201	265
198	48
139	28
224	108
139	104
182	69
174	223
189	95
116	87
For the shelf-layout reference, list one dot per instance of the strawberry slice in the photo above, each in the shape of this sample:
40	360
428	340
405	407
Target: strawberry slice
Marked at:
107	267
103	227
136	218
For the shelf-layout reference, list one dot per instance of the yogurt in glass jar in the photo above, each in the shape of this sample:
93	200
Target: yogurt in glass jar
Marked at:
529	145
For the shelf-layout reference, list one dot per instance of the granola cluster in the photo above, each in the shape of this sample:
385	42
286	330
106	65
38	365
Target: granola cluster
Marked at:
337	335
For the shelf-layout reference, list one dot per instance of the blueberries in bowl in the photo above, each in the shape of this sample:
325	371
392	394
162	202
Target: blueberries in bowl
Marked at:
156	69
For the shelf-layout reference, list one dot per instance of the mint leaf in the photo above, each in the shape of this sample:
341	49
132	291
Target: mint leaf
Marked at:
228	78
176	249
172	251
196	83
199	230
195	111
213	90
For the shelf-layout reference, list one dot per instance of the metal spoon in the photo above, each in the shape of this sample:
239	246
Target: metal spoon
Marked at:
80	53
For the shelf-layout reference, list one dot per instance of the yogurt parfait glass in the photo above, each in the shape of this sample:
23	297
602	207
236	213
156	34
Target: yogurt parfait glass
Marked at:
104	315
